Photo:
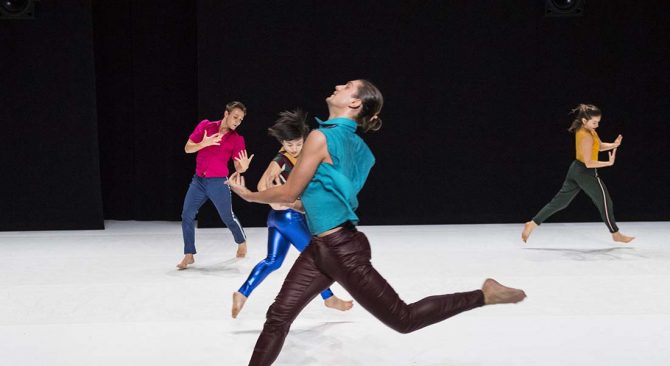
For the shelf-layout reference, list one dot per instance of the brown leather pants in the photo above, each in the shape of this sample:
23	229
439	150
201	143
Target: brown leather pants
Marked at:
344	256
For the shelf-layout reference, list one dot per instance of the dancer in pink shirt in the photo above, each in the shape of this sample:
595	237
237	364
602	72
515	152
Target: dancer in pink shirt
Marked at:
215	143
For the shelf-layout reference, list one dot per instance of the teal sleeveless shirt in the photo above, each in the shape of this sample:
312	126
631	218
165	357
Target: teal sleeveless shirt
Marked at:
330	197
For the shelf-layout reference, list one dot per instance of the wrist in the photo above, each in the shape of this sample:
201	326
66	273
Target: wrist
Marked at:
249	196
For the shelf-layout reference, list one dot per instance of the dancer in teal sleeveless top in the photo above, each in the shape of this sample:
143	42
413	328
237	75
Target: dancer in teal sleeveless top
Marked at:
332	169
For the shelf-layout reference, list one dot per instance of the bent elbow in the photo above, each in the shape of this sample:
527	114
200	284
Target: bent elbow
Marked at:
288	195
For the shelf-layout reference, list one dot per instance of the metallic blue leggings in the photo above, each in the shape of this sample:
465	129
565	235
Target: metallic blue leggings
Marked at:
285	227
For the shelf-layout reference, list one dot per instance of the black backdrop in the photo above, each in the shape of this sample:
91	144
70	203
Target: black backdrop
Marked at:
49	161
477	95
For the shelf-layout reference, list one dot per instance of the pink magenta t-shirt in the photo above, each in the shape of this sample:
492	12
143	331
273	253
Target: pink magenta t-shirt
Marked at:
212	161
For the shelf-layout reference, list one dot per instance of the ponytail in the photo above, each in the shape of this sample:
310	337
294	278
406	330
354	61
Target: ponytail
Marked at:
371	104
583	111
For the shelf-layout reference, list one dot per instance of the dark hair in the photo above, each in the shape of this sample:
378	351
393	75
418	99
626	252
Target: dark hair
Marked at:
235	104
291	125
372	102
586	111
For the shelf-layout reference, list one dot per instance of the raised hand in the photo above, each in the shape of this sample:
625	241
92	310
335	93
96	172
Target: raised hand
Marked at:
617	142
215	139
244	160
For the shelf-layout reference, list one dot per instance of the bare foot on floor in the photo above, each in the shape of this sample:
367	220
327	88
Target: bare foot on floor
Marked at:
241	250
335	302
495	293
188	259
527	229
238	303
622	238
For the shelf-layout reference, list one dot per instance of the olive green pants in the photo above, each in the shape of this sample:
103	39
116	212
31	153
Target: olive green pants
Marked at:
581	178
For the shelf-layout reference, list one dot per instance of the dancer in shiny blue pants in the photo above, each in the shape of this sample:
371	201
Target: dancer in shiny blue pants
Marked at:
286	225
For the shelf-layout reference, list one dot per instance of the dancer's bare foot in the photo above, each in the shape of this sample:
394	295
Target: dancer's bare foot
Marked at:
495	293
618	236
238	303
241	250
527	229
335	302
188	259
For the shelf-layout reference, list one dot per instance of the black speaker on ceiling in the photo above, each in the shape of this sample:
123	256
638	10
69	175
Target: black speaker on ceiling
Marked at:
563	8
17	9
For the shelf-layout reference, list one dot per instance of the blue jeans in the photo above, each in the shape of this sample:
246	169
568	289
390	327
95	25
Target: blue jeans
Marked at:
285	227
199	191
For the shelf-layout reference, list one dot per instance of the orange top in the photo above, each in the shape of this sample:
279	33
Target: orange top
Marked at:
579	136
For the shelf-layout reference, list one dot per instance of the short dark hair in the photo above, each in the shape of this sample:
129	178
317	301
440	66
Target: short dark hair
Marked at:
291	125
235	104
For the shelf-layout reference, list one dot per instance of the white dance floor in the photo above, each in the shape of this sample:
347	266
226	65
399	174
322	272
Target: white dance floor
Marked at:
114	297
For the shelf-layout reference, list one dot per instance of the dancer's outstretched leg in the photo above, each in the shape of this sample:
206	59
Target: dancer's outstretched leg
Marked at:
561	200
345	257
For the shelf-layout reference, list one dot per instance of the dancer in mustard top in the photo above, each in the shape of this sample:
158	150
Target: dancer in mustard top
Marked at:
286	224
583	174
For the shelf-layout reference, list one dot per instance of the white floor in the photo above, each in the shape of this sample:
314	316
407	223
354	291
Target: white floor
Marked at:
114	297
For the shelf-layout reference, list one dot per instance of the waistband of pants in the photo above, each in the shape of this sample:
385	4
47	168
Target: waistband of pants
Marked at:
209	178
581	165
348	230
288	213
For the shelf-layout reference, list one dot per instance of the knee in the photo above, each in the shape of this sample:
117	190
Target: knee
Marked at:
188	215
401	321
277	318
273	263
402	328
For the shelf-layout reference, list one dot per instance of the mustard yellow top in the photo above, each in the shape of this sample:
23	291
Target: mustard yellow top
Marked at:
288	156
579	136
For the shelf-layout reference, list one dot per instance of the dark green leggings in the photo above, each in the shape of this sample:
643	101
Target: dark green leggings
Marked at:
581	178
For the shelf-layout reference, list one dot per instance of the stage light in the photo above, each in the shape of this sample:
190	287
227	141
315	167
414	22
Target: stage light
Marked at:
17	9
564	8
